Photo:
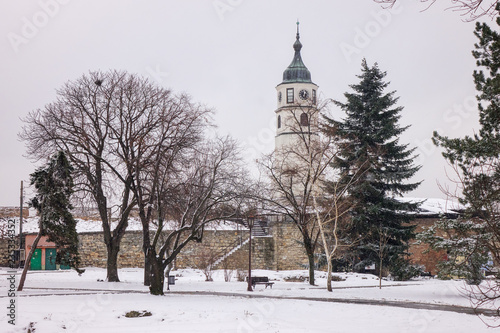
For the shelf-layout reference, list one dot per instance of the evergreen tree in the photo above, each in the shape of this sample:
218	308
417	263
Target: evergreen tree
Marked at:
476	158
54	186
463	242
369	148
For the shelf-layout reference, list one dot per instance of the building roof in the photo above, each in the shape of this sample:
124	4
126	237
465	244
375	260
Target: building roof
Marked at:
436	207
297	71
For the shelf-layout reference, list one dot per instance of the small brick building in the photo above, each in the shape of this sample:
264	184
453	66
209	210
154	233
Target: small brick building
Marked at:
44	257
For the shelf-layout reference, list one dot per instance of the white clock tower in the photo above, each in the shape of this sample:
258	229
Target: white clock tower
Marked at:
297	113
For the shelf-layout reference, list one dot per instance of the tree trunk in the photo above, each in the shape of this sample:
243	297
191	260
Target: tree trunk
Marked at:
167	275
309	247
147	271
380	273
27	263
146	247
329	276
157	274
112	263
310	257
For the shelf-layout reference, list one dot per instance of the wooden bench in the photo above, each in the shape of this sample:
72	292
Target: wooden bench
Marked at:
261	280
426	274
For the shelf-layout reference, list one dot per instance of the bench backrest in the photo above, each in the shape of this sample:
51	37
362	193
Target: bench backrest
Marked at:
260	279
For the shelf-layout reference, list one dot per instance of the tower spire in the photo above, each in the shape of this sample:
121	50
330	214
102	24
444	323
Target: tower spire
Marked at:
297	71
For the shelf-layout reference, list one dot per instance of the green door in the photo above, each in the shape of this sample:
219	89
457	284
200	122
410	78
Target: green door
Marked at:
50	259
36	260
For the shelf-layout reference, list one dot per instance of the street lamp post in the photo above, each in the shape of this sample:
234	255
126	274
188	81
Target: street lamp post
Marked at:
250	222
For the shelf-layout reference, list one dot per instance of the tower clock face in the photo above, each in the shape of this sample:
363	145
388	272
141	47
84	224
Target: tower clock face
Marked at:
303	94
279	96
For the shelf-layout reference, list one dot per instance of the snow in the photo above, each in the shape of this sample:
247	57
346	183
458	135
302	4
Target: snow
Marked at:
430	206
433	206
62	301
30	225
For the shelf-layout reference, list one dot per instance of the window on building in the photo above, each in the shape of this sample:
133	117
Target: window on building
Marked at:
279	121
304	119
314	96
289	95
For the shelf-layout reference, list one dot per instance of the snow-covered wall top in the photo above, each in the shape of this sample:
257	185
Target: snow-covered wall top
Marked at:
431	206
30	225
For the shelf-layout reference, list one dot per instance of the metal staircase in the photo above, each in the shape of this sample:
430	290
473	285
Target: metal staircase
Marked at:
227	255
260	228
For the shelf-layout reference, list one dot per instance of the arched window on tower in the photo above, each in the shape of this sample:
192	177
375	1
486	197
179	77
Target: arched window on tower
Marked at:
279	121
304	119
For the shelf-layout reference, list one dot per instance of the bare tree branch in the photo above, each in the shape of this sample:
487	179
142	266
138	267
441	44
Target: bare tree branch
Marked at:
470	9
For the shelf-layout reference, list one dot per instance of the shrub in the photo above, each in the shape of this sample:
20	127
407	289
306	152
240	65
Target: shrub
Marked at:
137	314
403	270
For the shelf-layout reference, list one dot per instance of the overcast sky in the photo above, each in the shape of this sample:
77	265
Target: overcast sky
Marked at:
230	55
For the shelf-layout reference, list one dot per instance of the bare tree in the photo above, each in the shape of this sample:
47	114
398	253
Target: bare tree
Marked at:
381	250
471	9
95	121
333	220
152	145
210	185
295	172
205	260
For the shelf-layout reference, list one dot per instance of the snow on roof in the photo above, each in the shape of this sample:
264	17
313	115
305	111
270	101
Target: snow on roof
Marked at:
433	206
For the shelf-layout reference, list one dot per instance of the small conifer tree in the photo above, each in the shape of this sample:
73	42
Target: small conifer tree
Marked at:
54	185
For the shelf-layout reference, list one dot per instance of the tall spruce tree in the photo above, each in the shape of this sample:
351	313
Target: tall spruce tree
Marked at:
370	151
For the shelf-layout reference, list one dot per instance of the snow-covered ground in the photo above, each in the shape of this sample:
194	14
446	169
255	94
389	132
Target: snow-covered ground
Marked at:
62	301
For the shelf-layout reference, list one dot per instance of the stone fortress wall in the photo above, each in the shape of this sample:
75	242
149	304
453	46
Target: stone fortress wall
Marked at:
281	249
6	214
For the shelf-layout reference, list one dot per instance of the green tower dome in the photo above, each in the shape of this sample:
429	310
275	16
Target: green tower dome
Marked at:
297	71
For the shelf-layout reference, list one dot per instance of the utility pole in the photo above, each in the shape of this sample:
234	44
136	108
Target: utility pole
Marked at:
21	224
250	222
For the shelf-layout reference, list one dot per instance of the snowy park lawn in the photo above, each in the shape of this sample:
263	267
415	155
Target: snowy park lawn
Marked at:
62	301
